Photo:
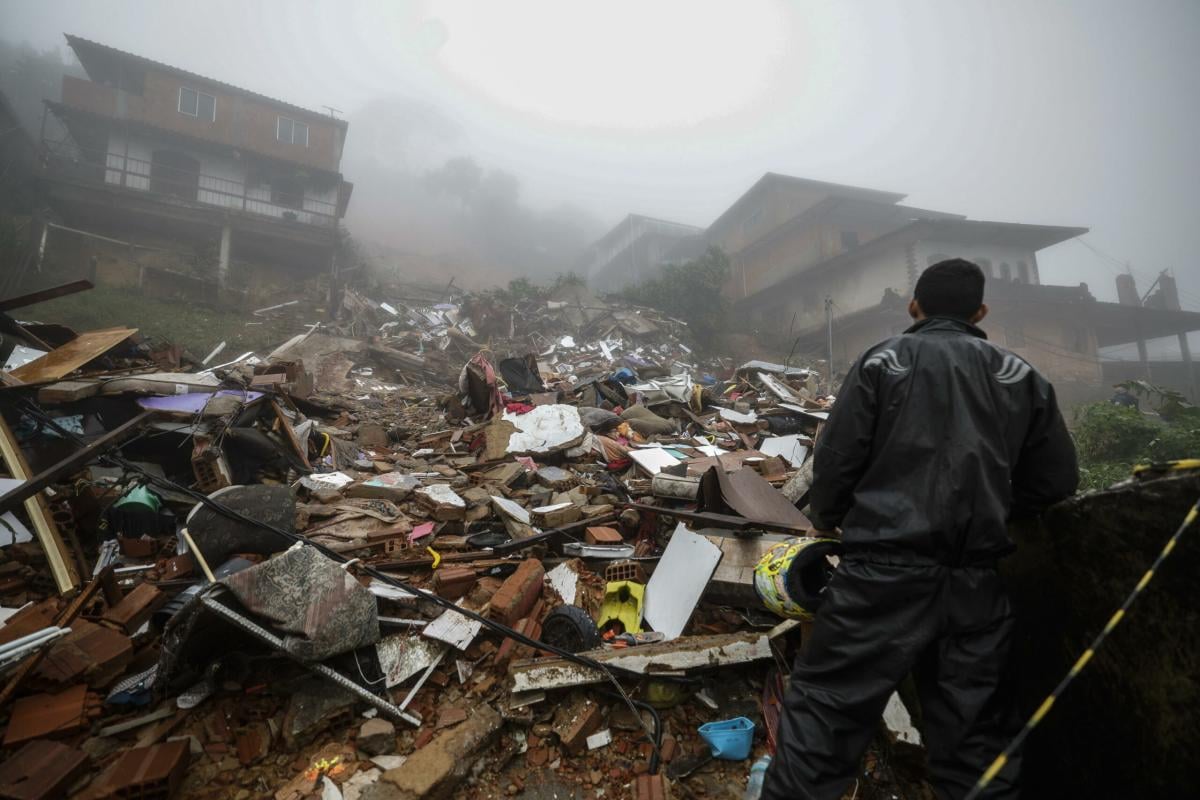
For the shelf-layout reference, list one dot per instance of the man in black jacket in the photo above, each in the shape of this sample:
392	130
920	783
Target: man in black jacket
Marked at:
936	437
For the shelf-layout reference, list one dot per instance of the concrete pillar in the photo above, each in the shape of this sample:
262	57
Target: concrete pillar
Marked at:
1185	353
223	259
1144	358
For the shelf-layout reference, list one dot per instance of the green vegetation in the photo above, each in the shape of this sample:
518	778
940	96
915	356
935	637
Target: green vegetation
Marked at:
194	327
1111	439
691	292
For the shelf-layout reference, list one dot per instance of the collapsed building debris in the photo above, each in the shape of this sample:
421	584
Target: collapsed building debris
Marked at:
512	538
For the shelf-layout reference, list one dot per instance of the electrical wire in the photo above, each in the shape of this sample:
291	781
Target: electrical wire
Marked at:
32	408
998	764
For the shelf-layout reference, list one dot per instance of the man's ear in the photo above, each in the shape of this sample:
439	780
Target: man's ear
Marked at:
914	309
978	316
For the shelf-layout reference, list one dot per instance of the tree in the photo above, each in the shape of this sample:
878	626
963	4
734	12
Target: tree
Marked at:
691	291
498	198
459	178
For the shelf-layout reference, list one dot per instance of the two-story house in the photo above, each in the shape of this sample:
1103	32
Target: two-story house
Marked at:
826	270
155	151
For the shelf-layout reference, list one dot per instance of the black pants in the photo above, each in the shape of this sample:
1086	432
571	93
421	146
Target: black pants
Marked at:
951	627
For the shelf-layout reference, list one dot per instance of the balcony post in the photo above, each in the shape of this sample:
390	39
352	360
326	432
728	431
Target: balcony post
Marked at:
223	259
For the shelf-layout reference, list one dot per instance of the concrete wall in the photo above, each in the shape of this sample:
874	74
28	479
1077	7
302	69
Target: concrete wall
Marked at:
241	121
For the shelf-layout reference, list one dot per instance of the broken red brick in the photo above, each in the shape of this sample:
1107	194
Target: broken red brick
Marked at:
253	745
651	787
451	716
603	535
453	582
519	592
47	714
137	607
41	770
537	756
511	648
575	721
89	652
145	772
423	738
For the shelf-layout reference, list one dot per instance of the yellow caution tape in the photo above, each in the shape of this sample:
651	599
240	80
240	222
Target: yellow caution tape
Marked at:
1085	658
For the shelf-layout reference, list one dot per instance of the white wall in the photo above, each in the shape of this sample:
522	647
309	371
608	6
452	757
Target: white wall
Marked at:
852	287
996	255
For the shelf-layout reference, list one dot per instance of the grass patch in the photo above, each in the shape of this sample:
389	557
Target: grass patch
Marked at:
194	327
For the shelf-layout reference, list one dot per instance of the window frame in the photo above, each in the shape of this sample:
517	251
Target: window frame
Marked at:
279	118
198	94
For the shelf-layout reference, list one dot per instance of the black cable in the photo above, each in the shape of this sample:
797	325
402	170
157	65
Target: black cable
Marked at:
229	513
658	728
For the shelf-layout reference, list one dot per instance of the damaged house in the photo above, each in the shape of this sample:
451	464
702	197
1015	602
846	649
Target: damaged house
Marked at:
177	164
831	267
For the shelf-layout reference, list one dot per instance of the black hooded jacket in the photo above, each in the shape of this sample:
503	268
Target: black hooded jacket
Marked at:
935	438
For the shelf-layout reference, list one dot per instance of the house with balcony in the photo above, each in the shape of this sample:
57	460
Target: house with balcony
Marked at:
828	269
151	154
825	270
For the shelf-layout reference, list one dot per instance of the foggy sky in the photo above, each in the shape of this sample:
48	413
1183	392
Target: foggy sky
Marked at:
1073	113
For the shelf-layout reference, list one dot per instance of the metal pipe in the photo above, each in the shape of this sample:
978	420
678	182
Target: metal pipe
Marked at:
331	675
31	639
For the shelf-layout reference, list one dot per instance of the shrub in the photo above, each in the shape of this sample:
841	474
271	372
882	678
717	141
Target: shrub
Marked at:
1106	432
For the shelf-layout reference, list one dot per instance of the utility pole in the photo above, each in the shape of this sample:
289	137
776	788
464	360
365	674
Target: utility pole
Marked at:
829	334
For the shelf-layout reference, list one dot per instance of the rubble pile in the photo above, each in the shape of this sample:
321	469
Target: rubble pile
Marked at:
431	550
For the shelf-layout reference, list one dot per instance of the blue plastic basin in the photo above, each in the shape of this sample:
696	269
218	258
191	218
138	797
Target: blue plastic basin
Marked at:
729	739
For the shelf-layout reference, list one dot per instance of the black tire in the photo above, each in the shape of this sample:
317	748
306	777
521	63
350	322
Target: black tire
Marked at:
570	628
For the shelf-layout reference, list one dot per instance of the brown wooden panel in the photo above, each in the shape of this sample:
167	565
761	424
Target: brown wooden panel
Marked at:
72	355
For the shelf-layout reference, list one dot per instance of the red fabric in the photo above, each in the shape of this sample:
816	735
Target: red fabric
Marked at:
519	408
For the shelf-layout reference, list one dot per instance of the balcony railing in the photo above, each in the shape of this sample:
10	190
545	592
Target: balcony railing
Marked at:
178	181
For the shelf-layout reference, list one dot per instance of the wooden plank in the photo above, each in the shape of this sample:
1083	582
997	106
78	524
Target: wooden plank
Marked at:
67	391
62	290
72	355
66	576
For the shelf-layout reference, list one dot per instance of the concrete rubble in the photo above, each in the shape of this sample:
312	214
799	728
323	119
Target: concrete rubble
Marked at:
344	567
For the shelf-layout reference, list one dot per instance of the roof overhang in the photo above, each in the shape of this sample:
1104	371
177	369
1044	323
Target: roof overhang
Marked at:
105	64
774	179
1002	234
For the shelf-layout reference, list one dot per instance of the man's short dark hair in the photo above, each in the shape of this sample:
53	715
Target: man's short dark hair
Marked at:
950	288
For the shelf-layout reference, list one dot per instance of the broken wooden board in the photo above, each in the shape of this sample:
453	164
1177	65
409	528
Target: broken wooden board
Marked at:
72	355
67	391
733	580
43	295
58	558
674	658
